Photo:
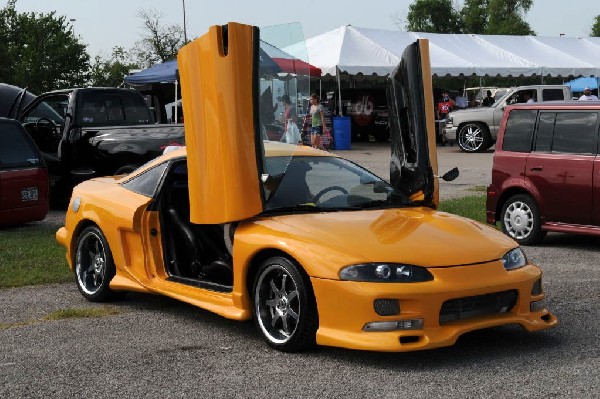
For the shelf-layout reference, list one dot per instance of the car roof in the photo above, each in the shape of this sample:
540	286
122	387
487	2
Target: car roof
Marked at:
571	105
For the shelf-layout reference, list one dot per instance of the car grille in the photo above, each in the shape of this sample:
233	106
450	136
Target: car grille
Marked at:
481	305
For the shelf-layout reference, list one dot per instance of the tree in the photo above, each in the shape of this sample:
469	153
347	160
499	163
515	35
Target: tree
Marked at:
474	16
506	17
40	51
110	72
159	43
437	16
596	27
496	17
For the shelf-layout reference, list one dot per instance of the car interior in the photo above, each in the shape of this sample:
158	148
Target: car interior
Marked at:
197	254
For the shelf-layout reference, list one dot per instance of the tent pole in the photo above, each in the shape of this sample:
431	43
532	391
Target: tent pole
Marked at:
337	72
175	108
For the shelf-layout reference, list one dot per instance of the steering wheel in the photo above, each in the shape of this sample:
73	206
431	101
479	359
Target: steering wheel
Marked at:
328	189
48	124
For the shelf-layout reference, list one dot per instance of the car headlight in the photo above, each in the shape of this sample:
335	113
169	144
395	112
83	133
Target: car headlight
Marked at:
386	273
449	120
514	259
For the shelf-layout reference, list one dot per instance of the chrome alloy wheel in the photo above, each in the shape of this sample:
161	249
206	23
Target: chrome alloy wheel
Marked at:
518	220
277	304
471	137
90	266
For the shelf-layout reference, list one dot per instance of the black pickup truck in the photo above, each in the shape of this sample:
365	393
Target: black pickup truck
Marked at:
89	132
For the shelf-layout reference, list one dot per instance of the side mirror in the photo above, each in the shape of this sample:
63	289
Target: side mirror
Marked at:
451	174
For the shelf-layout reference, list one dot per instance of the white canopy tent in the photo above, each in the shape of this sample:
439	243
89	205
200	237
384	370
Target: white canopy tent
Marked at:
366	51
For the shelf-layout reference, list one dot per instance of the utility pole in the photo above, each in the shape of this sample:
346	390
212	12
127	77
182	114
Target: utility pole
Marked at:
184	28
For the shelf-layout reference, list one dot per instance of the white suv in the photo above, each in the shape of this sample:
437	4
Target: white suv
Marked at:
475	129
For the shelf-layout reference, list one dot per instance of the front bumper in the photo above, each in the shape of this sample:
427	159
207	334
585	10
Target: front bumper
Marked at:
346	307
450	132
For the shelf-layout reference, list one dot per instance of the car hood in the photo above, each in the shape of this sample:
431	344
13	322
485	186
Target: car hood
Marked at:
417	236
471	111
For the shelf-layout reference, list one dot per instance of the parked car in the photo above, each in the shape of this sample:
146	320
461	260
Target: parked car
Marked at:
90	132
545	171
475	129
312	246
23	176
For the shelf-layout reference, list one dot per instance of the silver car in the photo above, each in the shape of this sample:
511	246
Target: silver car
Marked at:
475	129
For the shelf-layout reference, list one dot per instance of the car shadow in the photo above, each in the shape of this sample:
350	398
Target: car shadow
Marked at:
503	344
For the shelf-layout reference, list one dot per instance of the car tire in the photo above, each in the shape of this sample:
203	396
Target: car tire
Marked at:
285	309
521	220
94	266
473	137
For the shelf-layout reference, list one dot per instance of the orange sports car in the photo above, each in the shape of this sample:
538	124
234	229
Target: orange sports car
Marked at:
315	248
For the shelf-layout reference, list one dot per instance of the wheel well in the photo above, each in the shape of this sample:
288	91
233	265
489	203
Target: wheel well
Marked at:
82	225
261	257
506	195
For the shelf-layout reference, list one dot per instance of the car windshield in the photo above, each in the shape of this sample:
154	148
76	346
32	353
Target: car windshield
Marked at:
500	95
322	183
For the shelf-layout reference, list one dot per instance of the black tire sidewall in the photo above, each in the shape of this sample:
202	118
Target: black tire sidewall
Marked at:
303	337
485	144
104	293
536	234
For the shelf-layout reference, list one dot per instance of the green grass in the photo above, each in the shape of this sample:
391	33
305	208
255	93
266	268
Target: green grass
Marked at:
472	207
78	313
29	255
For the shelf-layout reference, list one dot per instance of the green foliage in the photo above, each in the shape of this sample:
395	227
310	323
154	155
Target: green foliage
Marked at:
436	16
506	17
474	16
489	17
111	71
596	27
30	255
40	51
159	43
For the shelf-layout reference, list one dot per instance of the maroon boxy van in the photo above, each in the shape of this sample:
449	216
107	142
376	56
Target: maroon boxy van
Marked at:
23	176
546	171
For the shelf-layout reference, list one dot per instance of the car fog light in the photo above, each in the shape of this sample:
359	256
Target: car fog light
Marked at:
537	288
413	324
537	306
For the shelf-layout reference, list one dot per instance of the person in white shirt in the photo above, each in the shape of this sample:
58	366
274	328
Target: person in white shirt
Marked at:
528	99
587	95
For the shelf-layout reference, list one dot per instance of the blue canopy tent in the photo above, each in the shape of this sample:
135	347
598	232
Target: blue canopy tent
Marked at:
577	85
166	72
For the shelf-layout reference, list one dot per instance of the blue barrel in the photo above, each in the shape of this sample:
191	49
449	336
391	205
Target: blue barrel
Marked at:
341	132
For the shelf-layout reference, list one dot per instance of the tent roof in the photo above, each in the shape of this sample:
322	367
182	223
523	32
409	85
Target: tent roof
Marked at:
374	51
165	72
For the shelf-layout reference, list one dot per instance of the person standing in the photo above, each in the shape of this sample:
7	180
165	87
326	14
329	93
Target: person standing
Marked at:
317	122
445	106
587	95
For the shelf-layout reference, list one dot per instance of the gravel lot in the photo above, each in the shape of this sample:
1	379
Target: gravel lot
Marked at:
159	348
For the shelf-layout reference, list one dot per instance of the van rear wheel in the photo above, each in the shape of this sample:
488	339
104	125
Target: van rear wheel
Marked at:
473	137
521	220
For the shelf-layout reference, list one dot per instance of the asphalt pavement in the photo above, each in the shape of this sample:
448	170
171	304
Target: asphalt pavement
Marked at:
156	347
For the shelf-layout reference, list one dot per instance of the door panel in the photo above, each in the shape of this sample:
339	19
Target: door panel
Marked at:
412	128
564	184
218	84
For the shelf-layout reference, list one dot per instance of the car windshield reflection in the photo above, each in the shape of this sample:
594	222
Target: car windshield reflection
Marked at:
315	183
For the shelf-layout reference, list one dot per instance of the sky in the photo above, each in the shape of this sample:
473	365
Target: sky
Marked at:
108	23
